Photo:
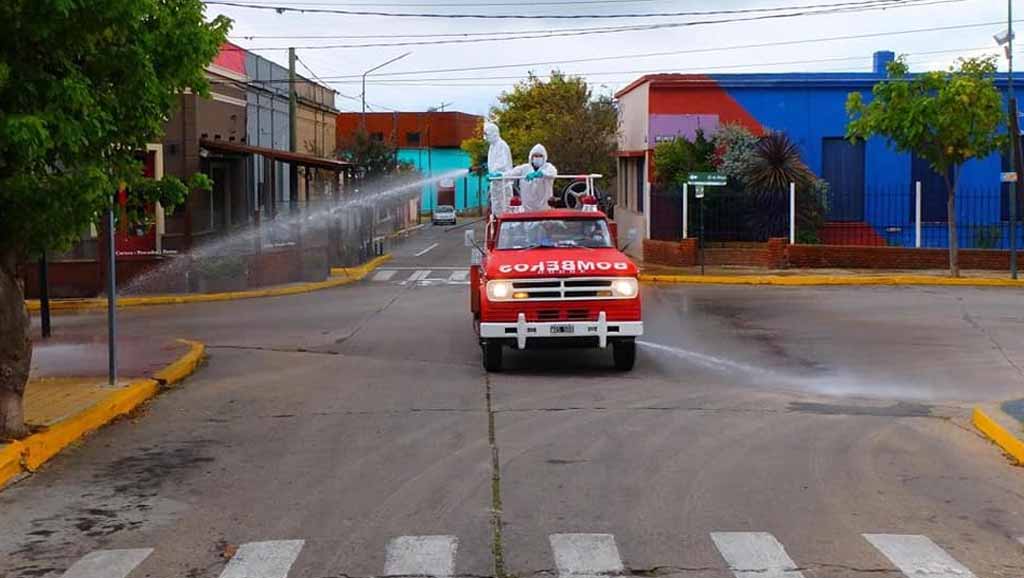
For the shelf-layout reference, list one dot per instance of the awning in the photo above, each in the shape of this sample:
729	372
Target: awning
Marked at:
278	155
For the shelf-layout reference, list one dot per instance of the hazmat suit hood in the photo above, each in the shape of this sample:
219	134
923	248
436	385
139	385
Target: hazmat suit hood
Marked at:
492	133
538	149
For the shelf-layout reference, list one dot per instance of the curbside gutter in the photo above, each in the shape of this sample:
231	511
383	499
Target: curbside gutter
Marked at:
339	277
811	280
998	434
27	455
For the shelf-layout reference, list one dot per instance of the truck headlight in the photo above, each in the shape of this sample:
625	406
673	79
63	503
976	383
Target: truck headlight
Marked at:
499	290
625	287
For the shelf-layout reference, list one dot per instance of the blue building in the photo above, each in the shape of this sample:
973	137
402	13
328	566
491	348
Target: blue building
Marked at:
872	195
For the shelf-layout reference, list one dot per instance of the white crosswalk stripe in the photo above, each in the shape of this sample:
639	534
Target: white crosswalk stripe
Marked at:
746	555
918	556
263	559
755	554
107	563
585	555
384	274
422	277
421	556
458	276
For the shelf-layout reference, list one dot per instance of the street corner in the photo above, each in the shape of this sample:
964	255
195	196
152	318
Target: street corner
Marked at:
1003	424
361	271
61	410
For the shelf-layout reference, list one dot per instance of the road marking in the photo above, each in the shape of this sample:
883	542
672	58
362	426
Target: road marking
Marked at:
755	555
916	555
417	276
458	276
421	556
263	559
384	274
107	563
427	250
585	555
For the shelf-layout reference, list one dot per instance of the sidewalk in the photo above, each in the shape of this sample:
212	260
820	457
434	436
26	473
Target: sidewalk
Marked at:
761	276
68	397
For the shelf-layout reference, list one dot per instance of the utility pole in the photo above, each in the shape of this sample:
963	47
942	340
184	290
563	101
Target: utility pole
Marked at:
1014	144
293	145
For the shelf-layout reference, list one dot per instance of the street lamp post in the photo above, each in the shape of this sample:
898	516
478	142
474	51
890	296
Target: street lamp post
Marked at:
365	74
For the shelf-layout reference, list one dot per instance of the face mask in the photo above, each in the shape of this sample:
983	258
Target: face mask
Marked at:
537	162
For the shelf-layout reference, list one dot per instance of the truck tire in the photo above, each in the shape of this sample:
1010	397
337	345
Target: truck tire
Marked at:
492	354
624	353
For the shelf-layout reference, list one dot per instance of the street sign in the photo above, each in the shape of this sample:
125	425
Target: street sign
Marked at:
707	179
1008	177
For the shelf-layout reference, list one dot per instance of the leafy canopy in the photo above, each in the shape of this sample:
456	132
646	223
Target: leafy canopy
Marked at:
675	159
578	129
84	85
946	118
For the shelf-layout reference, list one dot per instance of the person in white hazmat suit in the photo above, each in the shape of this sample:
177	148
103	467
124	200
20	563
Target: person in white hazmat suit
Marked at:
537	182
499	160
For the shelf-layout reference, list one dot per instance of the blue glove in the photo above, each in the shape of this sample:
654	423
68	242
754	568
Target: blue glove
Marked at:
494	175
534	175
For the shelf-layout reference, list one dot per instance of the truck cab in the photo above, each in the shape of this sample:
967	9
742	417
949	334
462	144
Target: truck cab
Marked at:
555	278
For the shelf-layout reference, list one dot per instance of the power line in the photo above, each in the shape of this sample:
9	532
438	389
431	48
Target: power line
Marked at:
670	52
427	81
454	5
865	4
555	35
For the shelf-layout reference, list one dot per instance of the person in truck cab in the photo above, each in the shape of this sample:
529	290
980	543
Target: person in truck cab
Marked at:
537	180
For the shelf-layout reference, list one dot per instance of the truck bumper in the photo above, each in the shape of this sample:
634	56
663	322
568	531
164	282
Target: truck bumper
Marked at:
522	330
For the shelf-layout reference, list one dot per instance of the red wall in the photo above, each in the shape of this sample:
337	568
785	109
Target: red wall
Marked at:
446	129
699	94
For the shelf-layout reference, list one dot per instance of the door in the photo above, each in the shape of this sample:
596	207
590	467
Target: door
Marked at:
933	191
843	168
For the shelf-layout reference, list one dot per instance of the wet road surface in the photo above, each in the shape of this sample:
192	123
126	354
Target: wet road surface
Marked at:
351	432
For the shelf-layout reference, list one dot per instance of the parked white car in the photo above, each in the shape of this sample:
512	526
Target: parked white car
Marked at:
443	215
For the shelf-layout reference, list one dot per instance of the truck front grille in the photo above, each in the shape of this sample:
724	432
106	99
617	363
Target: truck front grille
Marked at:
563	289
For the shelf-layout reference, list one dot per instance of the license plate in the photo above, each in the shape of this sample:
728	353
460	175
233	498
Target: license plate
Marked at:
562	329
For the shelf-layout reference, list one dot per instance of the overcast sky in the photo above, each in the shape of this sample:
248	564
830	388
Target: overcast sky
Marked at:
475	91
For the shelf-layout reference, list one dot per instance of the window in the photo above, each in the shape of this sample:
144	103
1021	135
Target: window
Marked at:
377	137
640	185
564	233
412	139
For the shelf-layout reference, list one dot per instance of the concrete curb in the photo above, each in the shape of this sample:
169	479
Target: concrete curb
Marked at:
811	280
339	277
25	456
999	435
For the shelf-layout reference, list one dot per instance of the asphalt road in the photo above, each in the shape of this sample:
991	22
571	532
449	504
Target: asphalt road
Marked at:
765	432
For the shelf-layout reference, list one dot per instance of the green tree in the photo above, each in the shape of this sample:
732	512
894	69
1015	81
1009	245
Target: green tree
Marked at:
84	85
578	129
675	159
377	157
946	118
476	148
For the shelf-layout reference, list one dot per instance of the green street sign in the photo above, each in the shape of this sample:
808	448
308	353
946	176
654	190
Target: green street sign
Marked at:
707	179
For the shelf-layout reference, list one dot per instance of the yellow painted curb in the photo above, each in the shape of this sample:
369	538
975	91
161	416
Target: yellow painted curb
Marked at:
338	278
998	434
808	280
358	273
36	449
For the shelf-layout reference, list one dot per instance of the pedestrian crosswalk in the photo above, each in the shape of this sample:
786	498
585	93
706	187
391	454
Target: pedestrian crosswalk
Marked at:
743	555
422	277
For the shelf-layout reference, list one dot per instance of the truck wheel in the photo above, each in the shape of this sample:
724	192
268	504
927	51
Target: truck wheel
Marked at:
624	353
492	353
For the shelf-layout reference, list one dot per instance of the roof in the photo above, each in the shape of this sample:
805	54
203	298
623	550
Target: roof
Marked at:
852	80
552	214
300	159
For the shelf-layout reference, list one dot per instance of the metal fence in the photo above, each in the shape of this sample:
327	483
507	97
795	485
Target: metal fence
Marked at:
898	216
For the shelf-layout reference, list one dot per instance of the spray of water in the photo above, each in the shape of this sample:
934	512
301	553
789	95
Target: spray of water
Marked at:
313	222
825	382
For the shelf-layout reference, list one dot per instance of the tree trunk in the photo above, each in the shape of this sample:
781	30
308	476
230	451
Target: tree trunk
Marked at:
954	240
15	349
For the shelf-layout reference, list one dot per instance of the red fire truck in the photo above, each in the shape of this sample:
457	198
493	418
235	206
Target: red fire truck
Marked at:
555	278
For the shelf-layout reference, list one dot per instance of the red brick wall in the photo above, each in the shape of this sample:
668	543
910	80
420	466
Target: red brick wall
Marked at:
278	267
843	257
673	253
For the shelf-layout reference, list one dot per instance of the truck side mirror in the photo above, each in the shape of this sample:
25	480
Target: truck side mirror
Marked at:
630	238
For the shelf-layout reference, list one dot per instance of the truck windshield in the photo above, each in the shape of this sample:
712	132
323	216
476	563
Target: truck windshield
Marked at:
589	233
